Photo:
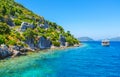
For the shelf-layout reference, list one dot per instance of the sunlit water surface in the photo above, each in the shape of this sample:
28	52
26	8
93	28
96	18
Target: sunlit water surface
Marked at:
89	60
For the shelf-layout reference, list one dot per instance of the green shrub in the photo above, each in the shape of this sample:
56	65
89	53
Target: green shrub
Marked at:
4	28
56	43
12	42
29	33
17	22
70	41
2	39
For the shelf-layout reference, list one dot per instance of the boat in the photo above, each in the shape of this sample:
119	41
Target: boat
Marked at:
105	43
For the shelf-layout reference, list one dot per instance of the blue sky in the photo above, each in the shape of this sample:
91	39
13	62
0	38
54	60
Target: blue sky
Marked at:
94	18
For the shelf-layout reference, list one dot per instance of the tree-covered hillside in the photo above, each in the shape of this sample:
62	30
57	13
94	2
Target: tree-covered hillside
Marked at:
18	24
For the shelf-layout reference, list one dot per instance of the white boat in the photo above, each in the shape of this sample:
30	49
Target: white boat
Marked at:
105	43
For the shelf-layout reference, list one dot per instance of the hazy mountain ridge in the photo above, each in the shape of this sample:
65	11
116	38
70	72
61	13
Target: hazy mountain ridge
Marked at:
85	39
115	39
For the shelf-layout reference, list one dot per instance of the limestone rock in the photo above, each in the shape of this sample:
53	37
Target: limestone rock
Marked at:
30	42
44	43
67	44
16	48
9	22
4	51
17	53
45	26
26	25
62	40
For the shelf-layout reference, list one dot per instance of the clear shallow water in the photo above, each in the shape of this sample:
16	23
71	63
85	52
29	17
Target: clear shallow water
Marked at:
90	60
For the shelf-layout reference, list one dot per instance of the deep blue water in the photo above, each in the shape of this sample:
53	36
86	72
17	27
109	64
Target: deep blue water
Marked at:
89	60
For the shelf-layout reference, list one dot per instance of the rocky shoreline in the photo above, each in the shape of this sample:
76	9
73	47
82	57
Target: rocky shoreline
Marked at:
42	43
22	31
14	51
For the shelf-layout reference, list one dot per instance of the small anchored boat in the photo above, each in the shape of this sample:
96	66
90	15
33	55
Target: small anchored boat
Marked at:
105	43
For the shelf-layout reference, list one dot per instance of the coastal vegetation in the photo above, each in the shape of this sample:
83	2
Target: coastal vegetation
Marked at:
21	27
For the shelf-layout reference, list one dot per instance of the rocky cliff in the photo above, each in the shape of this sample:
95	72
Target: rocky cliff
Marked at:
22	28
44	43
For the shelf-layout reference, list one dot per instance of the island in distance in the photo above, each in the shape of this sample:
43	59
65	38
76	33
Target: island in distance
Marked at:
85	39
112	39
115	39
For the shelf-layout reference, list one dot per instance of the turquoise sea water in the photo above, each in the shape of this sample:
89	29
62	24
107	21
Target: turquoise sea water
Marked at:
89	60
